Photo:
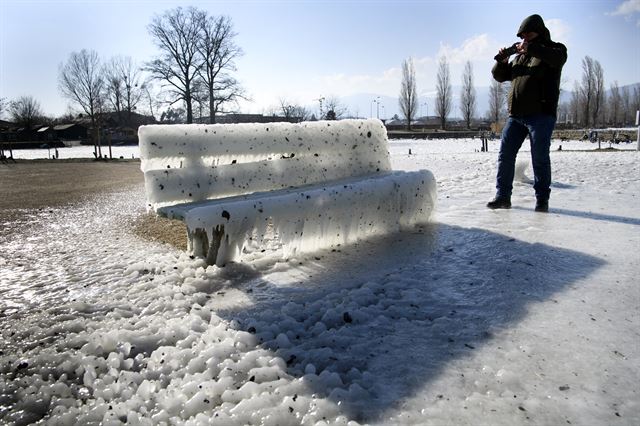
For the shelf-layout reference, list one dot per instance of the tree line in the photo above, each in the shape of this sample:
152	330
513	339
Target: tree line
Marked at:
192	76
468	96
408	99
194	69
589	105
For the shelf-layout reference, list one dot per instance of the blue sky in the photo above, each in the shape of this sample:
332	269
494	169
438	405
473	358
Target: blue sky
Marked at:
301	50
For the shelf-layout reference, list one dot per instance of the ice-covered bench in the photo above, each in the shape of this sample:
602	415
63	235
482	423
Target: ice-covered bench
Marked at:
312	185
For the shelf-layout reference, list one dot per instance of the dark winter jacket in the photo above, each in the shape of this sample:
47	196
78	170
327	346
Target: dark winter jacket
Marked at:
534	76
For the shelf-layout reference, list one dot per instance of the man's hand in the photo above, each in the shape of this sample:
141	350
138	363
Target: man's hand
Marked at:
522	47
506	58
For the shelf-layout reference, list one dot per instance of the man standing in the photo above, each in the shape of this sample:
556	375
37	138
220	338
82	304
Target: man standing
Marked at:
533	101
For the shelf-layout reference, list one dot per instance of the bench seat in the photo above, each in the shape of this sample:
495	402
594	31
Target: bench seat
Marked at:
309	217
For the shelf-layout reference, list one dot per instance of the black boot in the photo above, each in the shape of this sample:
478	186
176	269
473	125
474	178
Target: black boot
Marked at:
500	203
542	205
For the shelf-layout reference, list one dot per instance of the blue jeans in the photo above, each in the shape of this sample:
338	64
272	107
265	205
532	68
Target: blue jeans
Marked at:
539	128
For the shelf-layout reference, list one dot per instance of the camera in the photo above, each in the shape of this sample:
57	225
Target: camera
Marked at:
508	51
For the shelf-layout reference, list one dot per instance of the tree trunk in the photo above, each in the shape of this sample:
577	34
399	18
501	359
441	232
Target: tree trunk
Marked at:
212	107
187	100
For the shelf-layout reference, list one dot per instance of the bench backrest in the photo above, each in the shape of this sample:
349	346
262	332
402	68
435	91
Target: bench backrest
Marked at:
195	162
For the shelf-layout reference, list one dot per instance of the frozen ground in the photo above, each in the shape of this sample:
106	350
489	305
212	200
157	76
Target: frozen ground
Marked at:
485	317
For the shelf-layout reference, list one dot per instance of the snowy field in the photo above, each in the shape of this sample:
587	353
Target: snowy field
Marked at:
483	318
80	151
432	146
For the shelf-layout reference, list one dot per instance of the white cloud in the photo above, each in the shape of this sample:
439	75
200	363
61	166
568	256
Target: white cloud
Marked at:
476	48
559	30
628	9
426	61
384	83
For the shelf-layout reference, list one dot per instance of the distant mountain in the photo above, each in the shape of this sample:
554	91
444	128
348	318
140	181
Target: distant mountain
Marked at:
365	105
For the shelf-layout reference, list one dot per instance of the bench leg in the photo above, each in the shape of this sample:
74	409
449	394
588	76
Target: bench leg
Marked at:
214	247
200	246
197	242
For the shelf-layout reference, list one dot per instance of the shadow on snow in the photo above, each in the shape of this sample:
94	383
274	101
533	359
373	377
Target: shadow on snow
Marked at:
390	313
590	215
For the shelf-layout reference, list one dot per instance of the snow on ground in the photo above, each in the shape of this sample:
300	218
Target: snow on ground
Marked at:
78	151
484	317
432	145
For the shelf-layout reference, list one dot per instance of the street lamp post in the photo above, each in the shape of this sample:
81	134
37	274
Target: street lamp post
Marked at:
320	99
377	102
638	124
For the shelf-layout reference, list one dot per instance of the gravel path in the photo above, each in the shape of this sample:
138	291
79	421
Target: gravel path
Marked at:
34	184
28	185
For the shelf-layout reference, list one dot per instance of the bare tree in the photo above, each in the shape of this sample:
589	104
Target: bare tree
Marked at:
80	80
563	112
219	52
468	95
497	101
124	86
334	109
626	112
200	100
599	96
408	92
227	91
114	85
177	33
294	111
634	105
303	113
3	106
134	85
286	108
150	100
443	92
575	105
25	111
174	116
587	89
615	105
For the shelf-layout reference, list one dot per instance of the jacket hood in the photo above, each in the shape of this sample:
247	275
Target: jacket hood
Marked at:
536	24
